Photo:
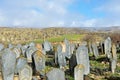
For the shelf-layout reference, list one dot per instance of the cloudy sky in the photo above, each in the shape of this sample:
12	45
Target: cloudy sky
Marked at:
60	13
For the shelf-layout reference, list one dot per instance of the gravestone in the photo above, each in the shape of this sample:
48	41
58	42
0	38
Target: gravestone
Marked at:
47	46
10	46
72	48
8	64
79	72
61	57
67	49
113	65
32	44
83	58
25	73
1	46
17	51
39	59
114	59
95	50
55	74
21	62
29	53
23	49
107	46
90	48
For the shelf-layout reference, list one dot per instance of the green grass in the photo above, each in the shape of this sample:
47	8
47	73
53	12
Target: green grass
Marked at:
71	37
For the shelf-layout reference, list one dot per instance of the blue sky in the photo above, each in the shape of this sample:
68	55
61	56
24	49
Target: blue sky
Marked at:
59	13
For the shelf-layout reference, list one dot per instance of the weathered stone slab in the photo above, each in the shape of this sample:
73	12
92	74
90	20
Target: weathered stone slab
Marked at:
39	59
95	50
8	64
107	46
21	62
83	58
29	53
1	46
24	49
25	73
79	72
55	74
47	46
61	57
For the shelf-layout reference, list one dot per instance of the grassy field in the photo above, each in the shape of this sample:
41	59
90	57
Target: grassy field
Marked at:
71	37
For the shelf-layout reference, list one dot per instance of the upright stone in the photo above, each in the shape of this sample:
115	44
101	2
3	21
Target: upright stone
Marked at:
1	46
17	51
79	72
114	59
29	53
107	46
8	64
24	49
90	48
83	58
39	59
61	57
55	74
25	73
21	62
47	46
95	50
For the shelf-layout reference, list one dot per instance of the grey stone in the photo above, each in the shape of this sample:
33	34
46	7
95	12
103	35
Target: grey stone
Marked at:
95	50
47	46
55	74
107	46
29	53
17	51
25	73
79	72
24	48
21	62
83	58
8	64
61	57
39	59
1	46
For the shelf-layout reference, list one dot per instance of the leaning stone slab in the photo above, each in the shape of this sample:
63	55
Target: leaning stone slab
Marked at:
39	59
25	73
29	53
21	62
55	74
83	58
107	46
95	50
8	64
79	72
1	46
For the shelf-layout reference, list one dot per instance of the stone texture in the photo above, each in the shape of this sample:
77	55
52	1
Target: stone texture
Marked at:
25	73
55	74
79	72
8	64
83	58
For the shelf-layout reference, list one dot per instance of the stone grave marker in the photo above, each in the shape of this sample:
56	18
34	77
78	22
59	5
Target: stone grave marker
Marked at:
20	63
8	64
79	72
25	73
107	46
1	46
39	59
29	53
83	58
61	57
95	50
55	74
